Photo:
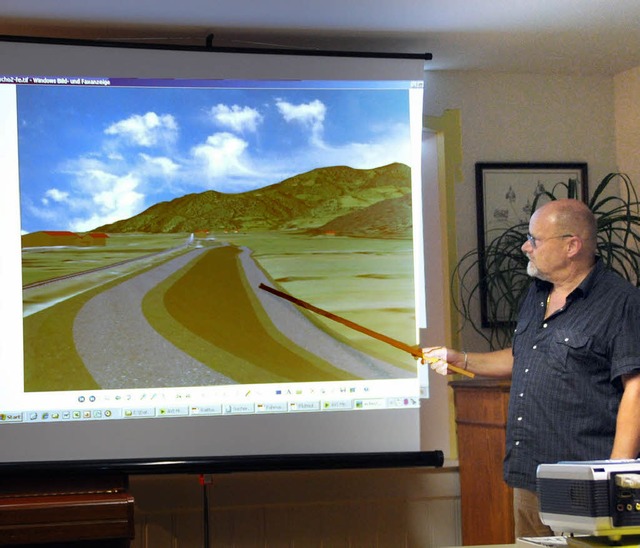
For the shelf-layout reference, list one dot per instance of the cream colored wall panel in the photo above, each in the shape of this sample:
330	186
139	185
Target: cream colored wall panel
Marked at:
245	528
189	529
520	117
328	509
627	113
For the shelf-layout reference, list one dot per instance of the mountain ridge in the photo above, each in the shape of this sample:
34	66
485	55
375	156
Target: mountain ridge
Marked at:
323	199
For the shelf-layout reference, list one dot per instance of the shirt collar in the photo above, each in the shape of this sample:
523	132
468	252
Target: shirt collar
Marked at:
592	278
585	285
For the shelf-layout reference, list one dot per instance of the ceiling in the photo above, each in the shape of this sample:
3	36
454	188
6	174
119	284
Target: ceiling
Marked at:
539	36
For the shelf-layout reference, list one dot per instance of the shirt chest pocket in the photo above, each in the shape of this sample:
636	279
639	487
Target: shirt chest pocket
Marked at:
570	349
560	351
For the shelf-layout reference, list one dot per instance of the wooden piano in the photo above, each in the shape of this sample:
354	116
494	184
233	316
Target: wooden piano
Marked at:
69	510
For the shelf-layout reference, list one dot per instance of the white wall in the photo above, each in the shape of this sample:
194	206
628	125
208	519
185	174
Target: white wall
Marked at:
523	117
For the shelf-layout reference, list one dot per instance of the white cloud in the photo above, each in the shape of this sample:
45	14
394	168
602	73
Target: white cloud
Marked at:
386	146
56	195
390	146
101	192
46	213
146	130
121	195
222	155
97	198
158	166
117	199
309	115
237	118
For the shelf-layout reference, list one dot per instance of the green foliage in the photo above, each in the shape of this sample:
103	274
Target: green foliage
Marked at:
500	270
619	227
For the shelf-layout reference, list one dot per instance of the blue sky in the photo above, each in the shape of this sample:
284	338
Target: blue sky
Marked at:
94	155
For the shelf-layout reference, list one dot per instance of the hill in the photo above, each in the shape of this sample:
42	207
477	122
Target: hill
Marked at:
308	201
389	218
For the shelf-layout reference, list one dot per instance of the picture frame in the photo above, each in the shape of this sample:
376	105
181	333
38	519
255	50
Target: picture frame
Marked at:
505	194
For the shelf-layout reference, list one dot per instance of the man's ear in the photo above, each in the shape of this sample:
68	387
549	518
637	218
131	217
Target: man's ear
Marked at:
574	246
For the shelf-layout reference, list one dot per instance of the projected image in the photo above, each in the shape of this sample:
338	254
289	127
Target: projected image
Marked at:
154	215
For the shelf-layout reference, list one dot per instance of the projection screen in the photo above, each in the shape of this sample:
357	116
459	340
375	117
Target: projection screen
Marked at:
152	198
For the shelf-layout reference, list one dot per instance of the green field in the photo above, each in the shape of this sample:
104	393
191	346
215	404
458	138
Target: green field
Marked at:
369	281
45	263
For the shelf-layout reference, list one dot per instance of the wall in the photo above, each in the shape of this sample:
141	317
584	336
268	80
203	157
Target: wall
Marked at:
627	116
522	117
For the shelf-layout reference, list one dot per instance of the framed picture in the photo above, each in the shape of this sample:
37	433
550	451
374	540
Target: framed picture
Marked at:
505	194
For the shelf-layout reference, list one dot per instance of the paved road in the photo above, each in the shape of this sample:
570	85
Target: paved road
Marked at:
119	347
122	350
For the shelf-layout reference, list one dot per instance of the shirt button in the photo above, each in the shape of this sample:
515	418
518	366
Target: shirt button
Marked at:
535	346
566	339
544	325
526	370
517	443
521	394
519	418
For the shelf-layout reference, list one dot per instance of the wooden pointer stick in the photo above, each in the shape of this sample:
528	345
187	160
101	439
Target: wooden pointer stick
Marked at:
415	351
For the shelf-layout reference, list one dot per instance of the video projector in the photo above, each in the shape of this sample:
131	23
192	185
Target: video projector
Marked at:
599	498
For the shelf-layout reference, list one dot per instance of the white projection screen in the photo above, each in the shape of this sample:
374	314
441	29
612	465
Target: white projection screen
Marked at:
150	200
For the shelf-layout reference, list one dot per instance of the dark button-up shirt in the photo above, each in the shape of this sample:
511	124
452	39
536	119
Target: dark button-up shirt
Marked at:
566	385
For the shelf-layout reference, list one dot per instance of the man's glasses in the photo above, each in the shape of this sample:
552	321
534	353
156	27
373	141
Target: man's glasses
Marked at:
535	241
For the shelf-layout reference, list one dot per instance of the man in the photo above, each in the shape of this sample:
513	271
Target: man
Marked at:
575	359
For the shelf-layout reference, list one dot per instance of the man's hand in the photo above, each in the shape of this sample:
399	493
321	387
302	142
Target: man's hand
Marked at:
436	357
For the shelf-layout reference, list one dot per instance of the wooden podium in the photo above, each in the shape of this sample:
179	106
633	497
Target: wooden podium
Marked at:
71	511
486	500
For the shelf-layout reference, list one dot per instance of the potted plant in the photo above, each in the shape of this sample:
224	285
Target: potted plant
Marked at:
499	271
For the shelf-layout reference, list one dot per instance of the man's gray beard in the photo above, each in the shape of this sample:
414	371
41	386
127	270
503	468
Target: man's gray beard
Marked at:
532	270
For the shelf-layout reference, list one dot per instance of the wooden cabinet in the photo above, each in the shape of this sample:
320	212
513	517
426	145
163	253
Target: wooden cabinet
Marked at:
486	500
67	511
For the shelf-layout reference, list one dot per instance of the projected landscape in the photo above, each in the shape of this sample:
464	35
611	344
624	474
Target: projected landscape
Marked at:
166	291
